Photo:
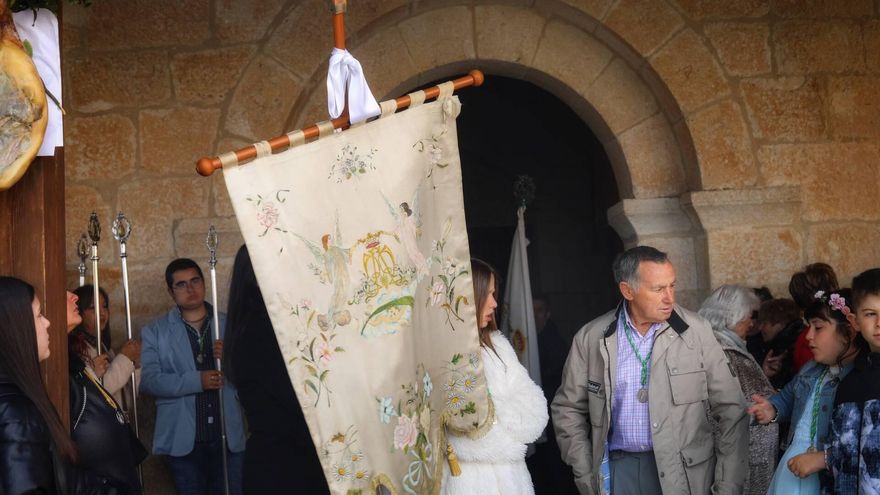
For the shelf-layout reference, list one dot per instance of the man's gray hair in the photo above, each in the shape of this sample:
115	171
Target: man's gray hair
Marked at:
729	305
626	264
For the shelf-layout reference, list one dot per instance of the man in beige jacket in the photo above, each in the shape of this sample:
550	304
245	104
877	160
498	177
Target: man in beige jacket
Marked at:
638	387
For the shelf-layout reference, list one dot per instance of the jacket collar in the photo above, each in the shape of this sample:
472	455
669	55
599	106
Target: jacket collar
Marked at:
675	321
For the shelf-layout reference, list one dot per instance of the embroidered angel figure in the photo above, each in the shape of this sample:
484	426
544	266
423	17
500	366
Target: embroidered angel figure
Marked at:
409	230
335	259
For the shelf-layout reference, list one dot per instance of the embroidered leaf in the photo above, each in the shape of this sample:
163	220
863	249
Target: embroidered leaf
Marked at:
456	358
323	375
312	370
312	386
338	349
400	301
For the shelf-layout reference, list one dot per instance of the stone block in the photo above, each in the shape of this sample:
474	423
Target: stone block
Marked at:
99	82
79	203
262	101
172	140
386	63
723	9
754	257
452	38
71	38
364	12
850	247
148	24
207	77
691	71
637	219
236	21
765	207
149	292
644	24
742	47
818	46
153	206
872	45
101	147
594	8
653	157
723	146
621	97
823	9
190	235
554	56
838	180
303	39
786	108
854	109
507	33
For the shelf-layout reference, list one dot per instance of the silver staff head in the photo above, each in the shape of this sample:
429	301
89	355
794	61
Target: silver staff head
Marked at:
121	228
212	241
94	228
82	248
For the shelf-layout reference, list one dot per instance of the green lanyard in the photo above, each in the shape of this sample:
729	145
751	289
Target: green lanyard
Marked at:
644	362
817	390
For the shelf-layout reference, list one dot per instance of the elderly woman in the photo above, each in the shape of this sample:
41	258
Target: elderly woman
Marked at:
729	310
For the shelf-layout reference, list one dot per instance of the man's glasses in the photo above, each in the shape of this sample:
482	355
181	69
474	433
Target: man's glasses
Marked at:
183	285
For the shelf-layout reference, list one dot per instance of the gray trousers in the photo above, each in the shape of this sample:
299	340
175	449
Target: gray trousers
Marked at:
634	473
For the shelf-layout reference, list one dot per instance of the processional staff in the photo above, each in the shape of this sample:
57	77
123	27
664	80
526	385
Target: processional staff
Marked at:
82	250
95	236
121	232
211	242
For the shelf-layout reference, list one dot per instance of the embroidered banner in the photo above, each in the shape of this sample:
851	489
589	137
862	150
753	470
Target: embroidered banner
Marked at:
359	244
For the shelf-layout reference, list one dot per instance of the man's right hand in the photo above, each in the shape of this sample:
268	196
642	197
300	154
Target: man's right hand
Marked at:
212	380
763	410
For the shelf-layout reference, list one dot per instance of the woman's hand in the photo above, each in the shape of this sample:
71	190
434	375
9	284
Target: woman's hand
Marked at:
772	363
804	465
132	350
763	410
100	365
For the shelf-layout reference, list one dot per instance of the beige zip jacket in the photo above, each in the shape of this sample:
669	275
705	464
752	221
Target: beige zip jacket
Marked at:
690	379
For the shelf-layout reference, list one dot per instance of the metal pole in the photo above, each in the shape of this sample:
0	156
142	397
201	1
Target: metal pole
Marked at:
95	236
82	249
211	241
121	232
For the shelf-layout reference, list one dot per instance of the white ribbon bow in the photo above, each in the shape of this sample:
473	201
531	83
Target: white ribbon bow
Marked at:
346	72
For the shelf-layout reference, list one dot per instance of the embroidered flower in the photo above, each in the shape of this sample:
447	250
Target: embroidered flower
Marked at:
454	400
386	410
451	383
838	302
305	304
425	418
268	215
474	360
427	384
436	154
361	474
341	471
468	382
325	352
438	292
357	456
405	433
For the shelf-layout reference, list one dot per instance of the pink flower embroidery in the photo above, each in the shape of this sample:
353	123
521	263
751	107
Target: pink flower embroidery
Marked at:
268	215
405	433
325	353
438	291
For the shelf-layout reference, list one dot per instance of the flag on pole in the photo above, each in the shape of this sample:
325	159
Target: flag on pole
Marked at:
519	316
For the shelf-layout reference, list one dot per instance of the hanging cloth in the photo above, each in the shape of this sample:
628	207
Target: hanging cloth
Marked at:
346	73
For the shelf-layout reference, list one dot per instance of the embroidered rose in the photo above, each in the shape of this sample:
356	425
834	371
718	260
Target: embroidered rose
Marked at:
405	433
268	215
438	292
386	410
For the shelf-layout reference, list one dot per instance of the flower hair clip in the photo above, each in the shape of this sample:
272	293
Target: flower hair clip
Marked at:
836	301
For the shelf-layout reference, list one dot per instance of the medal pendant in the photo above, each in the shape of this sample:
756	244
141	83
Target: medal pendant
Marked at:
811	449
200	359
643	395
120	417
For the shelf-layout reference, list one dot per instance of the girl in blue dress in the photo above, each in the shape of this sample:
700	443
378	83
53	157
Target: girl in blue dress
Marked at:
807	401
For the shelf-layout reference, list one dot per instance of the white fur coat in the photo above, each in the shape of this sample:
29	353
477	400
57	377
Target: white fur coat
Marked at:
495	464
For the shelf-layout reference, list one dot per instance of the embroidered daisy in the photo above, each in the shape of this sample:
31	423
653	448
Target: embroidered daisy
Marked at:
454	400
341	471
468	383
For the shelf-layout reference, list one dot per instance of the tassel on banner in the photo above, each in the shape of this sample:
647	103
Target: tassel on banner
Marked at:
454	467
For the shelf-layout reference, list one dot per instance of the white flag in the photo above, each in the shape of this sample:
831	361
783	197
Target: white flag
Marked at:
519	316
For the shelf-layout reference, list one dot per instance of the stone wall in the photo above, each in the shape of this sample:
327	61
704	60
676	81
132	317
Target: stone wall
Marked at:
743	134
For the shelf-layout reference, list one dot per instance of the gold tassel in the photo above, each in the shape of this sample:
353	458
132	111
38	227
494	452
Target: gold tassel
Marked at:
454	467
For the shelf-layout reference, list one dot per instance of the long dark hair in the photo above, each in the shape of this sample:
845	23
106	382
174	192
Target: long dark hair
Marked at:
482	273
822	308
76	339
19	359
245	305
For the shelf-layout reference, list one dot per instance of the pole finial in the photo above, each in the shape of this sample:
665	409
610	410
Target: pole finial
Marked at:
523	190
94	228
121	228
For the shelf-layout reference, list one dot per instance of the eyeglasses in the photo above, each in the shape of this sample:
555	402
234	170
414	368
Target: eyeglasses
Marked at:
183	285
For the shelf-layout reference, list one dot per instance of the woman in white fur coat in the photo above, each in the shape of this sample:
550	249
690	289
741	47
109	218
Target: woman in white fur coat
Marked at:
496	463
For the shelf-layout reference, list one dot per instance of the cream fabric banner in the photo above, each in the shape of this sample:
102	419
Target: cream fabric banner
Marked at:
358	241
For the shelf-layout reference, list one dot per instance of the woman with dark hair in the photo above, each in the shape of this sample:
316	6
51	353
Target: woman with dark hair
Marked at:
496	462
279	454
802	286
108	451
30	429
113	369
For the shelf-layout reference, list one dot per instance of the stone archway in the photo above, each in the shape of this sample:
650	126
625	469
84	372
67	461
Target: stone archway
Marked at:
626	104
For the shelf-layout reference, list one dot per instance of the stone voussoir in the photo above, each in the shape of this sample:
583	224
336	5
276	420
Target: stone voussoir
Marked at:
690	70
644	24
742	47
553	56
507	33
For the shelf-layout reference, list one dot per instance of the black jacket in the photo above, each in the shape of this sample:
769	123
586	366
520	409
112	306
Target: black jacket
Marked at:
26	464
